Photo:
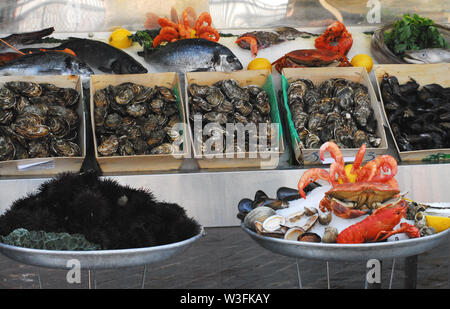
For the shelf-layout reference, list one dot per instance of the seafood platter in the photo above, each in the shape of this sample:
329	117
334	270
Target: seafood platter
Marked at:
42	125
359	214
241	97
139	122
416	102
337	104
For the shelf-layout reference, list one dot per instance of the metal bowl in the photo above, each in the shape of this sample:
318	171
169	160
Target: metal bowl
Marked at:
384	55
349	252
99	259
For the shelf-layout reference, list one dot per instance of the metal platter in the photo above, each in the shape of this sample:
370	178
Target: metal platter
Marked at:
349	252
100	259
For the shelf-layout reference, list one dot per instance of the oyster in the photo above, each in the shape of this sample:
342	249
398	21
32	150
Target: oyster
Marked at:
109	146
258	214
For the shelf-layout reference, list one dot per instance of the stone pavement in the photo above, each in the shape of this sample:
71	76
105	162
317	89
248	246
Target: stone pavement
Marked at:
227	258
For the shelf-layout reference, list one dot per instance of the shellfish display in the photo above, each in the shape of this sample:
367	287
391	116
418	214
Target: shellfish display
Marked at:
38	120
132	119
336	110
226	102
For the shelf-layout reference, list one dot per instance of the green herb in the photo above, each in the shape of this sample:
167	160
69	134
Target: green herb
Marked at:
143	38
413	33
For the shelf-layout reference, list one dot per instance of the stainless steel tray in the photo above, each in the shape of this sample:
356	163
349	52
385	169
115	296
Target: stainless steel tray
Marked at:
99	259
349	252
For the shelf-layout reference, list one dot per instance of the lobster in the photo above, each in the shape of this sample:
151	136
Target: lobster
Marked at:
379	225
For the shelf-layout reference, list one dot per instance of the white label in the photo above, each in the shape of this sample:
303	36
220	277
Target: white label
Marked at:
39	165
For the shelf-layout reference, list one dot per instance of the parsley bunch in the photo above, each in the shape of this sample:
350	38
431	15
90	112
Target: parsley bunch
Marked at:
413	33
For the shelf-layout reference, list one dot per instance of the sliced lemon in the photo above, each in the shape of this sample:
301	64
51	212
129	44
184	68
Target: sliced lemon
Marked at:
439	223
350	176
362	60
119	38
260	64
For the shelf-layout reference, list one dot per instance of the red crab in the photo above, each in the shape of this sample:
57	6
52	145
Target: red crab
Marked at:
372	189
310	58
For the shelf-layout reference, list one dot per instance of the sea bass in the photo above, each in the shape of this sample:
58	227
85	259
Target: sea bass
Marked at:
431	55
25	37
101	56
191	55
46	63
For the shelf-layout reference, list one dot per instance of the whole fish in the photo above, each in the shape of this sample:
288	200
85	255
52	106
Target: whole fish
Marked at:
101	56
46	63
25	37
191	55
431	55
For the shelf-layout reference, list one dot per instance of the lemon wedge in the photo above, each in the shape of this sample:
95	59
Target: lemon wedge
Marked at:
260	64
438	223
362	60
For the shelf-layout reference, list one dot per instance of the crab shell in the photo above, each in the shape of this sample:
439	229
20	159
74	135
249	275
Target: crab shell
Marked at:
362	193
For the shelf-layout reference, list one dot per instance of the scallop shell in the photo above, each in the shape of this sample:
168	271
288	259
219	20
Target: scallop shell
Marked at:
330	234
257	214
273	223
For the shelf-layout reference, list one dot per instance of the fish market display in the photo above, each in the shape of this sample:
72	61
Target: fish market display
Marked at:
101	56
227	102
419	116
337	110
38	120
193	55
256	40
310	58
132	119
186	29
25	37
46	63
105	213
431	55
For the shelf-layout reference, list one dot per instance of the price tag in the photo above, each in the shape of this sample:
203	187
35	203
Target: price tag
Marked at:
37	165
331	160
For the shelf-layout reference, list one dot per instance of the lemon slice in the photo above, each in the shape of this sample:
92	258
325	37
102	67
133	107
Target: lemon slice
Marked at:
260	64
119	38
439	223
362	60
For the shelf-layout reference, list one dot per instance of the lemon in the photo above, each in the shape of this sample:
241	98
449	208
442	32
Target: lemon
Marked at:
439	223
119	38
362	60
260	64
350	176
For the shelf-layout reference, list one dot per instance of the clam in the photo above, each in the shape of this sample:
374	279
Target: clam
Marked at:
310	222
427	231
273	223
258	214
309	237
325	218
295	216
420	220
293	233
330	234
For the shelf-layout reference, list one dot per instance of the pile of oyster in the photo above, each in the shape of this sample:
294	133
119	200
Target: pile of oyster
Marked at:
419	116
38	120
260	215
132	119
338	110
226	102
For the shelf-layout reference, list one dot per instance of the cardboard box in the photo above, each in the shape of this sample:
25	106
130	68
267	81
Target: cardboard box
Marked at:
317	76
140	163
423	74
264	159
52	165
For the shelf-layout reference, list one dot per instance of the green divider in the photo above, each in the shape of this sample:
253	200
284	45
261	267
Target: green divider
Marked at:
293	132
274	111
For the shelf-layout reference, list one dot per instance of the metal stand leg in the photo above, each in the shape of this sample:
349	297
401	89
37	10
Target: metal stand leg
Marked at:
298	275
328	275
144	272
392	274
39	278
411	272
94	279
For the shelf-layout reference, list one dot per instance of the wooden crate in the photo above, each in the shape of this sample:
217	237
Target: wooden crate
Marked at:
52	165
318	75
423	74
140	163
267	159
